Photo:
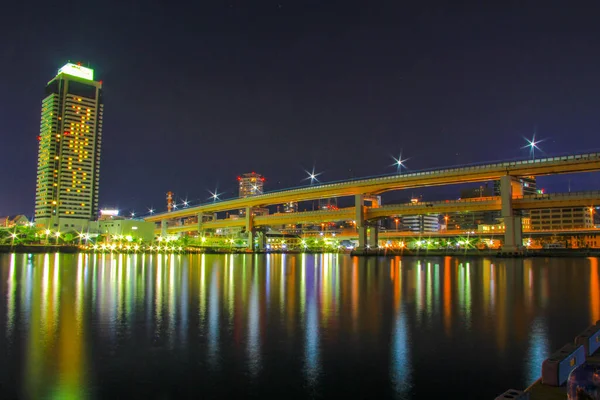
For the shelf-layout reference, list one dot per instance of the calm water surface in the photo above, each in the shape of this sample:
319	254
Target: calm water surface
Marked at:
291	326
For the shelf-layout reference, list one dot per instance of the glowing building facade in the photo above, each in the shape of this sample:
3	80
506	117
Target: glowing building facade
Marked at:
251	184
69	150
562	218
421	223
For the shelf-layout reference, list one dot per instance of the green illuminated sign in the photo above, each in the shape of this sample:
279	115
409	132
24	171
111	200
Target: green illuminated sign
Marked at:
78	71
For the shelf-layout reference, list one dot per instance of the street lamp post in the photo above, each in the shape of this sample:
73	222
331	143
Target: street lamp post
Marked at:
396	221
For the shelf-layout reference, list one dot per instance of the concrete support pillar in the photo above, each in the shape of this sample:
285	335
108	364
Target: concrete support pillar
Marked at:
200	216
360	221
250	227
362	237
374	236
513	232
163	227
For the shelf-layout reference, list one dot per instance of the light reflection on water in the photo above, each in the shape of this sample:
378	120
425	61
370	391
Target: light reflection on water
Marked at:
81	326
538	348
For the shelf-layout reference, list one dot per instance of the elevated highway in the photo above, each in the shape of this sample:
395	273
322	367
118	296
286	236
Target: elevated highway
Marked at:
528	202
380	184
511	199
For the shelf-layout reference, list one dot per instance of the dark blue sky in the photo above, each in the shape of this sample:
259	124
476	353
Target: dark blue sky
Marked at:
196	94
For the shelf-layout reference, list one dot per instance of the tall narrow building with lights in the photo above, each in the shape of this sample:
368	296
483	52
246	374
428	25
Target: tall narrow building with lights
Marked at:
69	150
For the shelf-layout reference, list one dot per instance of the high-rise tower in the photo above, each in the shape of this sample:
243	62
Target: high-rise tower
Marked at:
69	151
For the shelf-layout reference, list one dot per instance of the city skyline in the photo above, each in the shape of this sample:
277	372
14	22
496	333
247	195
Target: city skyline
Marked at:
342	91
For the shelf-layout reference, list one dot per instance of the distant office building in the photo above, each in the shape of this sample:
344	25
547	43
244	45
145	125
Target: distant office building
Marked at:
251	184
481	191
562	218
69	150
328	204
421	223
472	219
529	185
256	211
292	206
499	227
527	182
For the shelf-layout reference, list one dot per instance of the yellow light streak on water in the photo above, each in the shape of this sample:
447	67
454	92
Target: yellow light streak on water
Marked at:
428	289
172	301
71	356
230	290
202	292
355	293
158	304
447	297
594	290
419	292
302	283
10	297
281	284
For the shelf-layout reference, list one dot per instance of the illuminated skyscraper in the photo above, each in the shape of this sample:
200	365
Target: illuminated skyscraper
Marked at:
69	150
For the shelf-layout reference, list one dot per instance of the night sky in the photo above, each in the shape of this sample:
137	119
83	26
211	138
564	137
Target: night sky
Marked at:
198	94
